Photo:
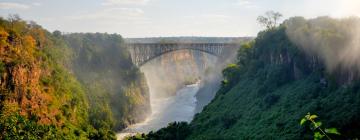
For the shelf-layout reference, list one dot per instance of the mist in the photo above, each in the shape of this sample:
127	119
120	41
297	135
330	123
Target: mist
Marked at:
212	78
336	42
170	72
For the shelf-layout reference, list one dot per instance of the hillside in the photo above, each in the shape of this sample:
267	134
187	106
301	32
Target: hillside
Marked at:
276	82
39	97
116	89
287	71
71	86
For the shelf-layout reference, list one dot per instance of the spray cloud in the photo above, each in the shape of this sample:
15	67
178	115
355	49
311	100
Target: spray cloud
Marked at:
335	41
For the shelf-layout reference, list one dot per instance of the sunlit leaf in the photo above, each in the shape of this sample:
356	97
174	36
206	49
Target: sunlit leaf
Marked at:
318	136
332	131
312	117
317	124
303	120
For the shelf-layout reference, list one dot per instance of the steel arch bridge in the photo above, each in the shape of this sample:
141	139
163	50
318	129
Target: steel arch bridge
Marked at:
142	53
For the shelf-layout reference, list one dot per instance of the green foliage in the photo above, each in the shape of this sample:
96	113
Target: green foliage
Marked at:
245	54
102	134
118	97
273	84
15	126
332	131
18	127
230	74
174	131
319	132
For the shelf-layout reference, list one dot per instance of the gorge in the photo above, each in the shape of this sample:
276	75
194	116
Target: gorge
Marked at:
56	85
175	76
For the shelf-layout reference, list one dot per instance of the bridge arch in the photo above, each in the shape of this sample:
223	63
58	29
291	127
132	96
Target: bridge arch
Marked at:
157	56
142	53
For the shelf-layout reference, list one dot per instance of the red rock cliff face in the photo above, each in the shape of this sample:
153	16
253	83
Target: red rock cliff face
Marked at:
29	85
23	88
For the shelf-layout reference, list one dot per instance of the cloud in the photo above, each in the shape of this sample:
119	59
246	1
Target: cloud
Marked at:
125	11
208	16
13	5
208	19
113	15
216	16
246	3
124	2
36	4
243	2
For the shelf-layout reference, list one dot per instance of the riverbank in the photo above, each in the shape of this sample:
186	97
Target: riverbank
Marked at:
180	107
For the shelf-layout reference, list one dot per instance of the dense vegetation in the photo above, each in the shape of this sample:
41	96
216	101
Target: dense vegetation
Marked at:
174	131
39	98
117	91
277	80
73	86
275	83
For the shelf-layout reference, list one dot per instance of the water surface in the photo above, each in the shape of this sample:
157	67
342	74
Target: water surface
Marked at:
165	110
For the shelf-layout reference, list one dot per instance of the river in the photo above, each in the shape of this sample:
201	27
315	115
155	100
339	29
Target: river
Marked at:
180	107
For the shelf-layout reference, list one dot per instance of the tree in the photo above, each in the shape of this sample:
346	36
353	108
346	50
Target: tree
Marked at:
319	133
245	53
14	18
270	19
231	74
57	33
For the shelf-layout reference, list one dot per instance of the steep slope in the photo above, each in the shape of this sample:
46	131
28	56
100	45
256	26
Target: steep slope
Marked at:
38	98
116	89
73	86
275	83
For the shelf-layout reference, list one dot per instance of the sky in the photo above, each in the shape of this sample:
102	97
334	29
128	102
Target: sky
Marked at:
167	18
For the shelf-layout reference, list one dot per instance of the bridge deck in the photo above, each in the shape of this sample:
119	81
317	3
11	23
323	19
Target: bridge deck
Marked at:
144	52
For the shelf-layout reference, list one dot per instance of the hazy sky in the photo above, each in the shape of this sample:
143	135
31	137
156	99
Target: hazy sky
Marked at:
145	18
